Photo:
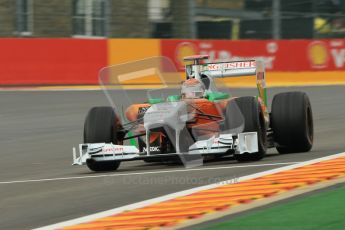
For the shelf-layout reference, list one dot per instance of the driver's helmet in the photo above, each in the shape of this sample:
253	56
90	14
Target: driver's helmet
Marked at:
192	88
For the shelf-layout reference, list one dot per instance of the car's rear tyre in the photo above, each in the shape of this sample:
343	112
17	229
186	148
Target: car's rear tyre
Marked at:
292	122
101	126
253	118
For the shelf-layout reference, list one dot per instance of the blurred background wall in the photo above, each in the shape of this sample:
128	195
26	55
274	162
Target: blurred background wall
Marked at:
68	41
212	19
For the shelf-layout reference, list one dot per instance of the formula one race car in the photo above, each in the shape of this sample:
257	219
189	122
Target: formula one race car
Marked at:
201	121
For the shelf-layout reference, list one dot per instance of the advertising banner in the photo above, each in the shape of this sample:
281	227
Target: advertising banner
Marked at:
72	61
127	50
51	61
279	55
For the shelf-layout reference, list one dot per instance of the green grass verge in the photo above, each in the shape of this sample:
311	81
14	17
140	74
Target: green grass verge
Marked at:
325	210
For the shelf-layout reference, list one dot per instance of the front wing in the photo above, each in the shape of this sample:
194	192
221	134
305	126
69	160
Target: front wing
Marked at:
239	144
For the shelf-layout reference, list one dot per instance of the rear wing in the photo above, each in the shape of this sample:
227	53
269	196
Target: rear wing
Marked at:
239	68
230	69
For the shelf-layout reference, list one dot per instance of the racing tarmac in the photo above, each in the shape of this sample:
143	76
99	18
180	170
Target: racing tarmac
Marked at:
39	129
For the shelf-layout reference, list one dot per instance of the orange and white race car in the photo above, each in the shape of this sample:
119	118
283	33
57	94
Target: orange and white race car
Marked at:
200	121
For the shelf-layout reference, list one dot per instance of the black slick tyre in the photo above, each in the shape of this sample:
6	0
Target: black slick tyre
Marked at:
253	118
101	126
292	122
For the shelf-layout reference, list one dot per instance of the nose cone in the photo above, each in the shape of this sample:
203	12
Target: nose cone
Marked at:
173	114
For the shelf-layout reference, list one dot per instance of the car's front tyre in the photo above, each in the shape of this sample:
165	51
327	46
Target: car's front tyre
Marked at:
253	121
101	126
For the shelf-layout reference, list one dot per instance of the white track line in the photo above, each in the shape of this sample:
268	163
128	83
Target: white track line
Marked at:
178	194
143	173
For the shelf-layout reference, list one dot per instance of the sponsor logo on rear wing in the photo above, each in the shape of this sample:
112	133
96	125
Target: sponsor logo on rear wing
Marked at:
230	65
229	69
